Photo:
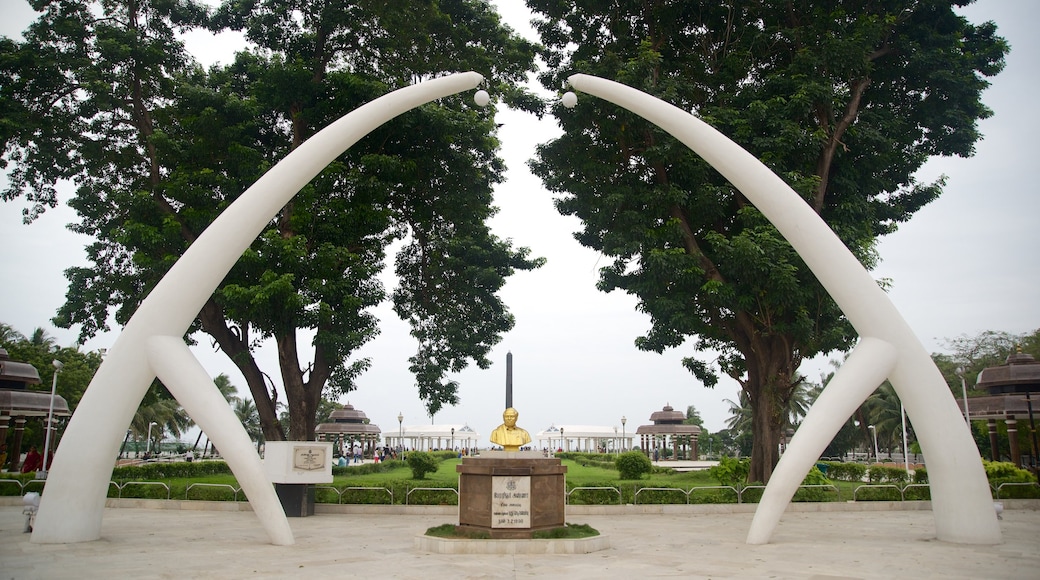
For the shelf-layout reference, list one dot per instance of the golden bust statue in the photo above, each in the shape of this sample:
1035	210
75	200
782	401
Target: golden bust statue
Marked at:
508	435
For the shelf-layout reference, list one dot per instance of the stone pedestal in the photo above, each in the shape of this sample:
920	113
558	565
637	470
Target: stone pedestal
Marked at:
511	494
297	499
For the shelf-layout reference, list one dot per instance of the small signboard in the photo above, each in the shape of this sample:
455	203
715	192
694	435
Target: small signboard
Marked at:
298	461
511	501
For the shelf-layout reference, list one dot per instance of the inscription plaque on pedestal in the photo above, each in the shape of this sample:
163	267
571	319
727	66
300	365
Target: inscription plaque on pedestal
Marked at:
508	494
511	502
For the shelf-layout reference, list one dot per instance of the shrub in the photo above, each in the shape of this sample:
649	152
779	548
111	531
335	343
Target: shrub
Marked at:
606	493
421	463
845	471
367	468
920	475
814	477
633	465
1001	472
1006	471
702	495
660	496
170	470
885	474
731	471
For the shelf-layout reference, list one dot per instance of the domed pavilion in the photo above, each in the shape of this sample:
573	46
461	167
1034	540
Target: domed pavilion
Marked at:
18	404
348	425
667	429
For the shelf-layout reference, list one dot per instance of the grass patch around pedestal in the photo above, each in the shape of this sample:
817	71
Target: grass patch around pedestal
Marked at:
566	532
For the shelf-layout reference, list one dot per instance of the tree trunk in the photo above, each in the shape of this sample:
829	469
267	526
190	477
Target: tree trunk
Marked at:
771	365
236	346
302	397
765	445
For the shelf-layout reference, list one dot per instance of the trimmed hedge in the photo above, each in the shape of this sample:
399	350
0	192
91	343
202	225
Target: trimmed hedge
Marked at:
886	474
171	470
842	471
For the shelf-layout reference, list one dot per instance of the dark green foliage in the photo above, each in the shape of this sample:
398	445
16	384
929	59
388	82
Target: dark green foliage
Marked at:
658	496
169	470
712	496
452	531
1021	483
915	493
845	101
566	531
846	471
815	477
605	493
921	475
105	95
886	474
885	492
731	471
421	463
366	468
633	465
604	460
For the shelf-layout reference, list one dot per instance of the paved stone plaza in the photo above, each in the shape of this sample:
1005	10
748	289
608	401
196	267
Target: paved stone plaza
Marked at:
204	543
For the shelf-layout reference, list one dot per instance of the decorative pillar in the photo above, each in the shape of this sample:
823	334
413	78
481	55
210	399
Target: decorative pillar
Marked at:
5	423
994	451
1012	428
15	450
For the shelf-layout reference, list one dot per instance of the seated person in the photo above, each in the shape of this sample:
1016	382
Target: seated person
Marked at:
508	435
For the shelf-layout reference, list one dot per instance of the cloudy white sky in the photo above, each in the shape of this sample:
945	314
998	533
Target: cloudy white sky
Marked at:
965	264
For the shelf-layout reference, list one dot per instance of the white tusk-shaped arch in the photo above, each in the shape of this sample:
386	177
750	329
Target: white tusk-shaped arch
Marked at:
961	501
72	506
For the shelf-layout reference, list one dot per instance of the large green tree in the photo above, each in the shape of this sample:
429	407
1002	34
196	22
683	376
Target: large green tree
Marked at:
845	100
104	94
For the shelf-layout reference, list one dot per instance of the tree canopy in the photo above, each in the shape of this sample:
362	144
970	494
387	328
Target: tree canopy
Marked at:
844	100
105	95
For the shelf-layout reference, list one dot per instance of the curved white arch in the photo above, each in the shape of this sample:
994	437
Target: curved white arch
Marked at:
150	345
888	348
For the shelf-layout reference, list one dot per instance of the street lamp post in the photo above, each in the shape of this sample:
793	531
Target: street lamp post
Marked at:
400	432
42	473
873	430
624	438
563	440
453	439
906	450
964	395
148	445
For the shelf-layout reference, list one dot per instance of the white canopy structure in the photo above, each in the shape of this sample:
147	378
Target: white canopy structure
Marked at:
591	438
430	437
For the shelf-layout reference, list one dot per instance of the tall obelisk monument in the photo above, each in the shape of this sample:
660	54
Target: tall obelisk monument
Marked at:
509	380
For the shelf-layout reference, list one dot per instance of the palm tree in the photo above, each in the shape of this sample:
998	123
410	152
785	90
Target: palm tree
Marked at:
798	404
245	410
230	394
885	412
9	335
167	413
41	339
740	414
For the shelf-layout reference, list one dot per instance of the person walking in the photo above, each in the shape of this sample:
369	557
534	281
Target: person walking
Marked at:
33	461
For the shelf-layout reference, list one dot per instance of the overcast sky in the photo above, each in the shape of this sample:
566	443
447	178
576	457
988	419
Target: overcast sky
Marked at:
965	264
